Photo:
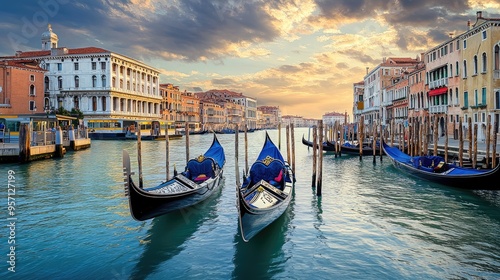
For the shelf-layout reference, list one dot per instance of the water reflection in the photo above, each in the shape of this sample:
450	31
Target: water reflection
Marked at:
168	233
263	255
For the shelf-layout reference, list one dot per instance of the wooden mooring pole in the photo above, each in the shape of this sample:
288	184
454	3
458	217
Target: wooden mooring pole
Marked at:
494	152
470	138
24	143
292	132
186	133
315	155
236	148
167	154
288	156
246	149
139	157
446	139
474	160
320	163
460	143
488	135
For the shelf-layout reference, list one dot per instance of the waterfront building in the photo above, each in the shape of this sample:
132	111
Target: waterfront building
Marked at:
395	100
358	104
112	90
334	117
190	111
480	73
212	115
270	116
239	109
443	80
21	87
418	101
171	105
374	83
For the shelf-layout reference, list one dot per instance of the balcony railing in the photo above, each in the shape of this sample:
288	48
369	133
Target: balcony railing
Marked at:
438	109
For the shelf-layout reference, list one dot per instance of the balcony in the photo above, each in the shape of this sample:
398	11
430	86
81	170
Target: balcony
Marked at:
438	109
438	83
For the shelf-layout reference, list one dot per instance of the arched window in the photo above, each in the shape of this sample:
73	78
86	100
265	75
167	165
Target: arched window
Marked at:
76	102
113	82
32	90
103	79
94	103
94	81
484	62
46	84
475	64
77	82
103	100
59	82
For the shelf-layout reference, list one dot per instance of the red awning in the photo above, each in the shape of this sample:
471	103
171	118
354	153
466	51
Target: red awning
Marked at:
438	91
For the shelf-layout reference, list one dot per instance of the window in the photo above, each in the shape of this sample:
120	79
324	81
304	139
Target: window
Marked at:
103	65
59	66
94	65
497	57
47	66
475	97
59	82
77	66
103	80
46	84
484	61
475	65
483	117
77	82
32	90
94	81
475	117
466	99
483	96
94	103
484	35
456	69
32	78
497	100
465	69
76	102
465	44
103	100
32	105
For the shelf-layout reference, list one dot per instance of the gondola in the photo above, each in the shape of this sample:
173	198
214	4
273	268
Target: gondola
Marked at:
435	169
201	178
266	191
326	147
352	149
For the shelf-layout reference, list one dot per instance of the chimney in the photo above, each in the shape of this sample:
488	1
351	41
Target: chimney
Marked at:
367	70
468	25
422	56
479	14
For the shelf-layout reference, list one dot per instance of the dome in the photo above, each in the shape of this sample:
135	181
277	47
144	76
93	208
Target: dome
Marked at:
47	35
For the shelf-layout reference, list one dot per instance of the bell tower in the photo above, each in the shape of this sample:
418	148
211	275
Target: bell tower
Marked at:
49	39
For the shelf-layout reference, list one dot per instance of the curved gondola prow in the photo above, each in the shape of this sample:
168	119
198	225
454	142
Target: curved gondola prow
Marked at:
127	172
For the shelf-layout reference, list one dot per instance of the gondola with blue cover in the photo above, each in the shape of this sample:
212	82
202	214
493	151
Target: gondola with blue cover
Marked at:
266	191
435	169
201	178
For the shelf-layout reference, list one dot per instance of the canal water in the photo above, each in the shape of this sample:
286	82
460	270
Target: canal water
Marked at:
72	221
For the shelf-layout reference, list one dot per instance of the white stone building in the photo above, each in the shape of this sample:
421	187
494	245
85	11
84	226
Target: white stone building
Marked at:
105	86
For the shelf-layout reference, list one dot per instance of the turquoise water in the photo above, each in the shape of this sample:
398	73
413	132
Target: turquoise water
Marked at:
73	222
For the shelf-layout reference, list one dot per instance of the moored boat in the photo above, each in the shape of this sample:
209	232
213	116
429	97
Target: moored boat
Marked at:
201	178
435	169
266	191
326	147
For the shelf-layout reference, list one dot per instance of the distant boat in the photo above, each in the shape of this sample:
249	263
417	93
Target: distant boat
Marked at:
326	147
435	169
199	180
349	148
266	191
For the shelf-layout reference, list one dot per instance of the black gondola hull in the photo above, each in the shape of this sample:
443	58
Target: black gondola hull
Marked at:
144	205
482	181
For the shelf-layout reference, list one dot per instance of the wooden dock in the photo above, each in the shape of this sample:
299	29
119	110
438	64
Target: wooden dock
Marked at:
38	145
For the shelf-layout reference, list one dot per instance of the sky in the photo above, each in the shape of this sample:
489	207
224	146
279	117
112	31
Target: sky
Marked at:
301	55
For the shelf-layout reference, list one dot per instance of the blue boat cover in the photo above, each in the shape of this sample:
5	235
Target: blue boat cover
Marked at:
216	152
428	162
270	149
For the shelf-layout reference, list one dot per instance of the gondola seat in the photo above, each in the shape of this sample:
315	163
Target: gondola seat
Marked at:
200	171
427	163
269	173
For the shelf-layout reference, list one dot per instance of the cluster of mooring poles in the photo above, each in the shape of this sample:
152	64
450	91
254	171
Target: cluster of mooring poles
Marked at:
167	155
